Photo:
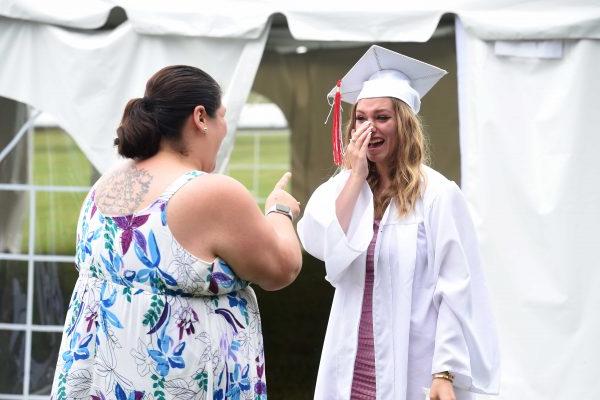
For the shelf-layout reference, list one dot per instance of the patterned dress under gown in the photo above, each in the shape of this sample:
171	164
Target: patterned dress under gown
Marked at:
148	320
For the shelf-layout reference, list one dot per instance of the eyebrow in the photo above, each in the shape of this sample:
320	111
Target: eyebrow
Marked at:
375	111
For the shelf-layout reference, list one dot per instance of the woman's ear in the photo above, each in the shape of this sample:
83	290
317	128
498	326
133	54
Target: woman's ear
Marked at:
199	117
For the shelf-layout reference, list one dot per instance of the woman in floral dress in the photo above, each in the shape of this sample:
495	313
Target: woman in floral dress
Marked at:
165	252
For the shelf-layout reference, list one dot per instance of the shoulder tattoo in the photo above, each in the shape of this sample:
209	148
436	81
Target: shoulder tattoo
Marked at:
123	192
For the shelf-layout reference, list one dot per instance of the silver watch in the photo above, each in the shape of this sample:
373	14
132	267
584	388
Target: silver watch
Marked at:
281	209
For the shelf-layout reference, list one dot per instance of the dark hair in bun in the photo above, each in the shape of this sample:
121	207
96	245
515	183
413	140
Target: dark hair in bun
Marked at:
171	95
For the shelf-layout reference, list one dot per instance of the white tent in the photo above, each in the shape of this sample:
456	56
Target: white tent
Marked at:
528	101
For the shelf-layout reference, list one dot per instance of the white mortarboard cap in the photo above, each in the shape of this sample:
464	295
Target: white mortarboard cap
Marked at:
384	73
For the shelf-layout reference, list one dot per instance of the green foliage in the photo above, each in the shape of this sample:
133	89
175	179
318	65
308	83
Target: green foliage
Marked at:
110	230
154	312
61	393
76	306
127	293
158	385
94	270
202	380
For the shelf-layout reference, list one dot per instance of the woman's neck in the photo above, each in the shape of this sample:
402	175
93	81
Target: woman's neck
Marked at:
171	155
384	179
378	197
384	183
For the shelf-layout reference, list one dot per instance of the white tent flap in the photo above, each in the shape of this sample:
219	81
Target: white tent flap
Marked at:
85	79
529	148
529	49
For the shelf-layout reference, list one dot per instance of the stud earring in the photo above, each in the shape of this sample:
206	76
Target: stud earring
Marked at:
205	129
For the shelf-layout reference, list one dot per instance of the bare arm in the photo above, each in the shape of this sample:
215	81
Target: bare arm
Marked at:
356	161
222	219
344	204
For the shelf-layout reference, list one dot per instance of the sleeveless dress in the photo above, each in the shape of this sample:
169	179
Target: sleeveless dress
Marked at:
148	320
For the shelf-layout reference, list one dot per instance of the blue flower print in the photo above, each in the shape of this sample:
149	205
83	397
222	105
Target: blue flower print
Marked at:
107	317
113	266
235	300
84	247
76	310
120	394
152	270
225	278
163	214
233	348
133	395
78	350
167	356
238	382
218	393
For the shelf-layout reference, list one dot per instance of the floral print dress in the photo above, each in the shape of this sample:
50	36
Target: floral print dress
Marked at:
148	320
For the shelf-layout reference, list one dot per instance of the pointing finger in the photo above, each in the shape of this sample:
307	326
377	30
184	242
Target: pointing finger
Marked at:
282	183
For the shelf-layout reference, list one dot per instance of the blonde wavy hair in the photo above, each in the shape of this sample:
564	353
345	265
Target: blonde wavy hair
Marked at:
406	174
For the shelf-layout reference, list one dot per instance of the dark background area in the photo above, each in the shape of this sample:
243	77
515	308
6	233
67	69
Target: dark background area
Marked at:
294	321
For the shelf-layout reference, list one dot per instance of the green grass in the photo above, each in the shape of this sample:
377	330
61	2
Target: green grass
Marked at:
58	161
271	151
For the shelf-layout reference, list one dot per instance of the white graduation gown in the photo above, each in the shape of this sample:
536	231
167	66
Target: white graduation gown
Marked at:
431	310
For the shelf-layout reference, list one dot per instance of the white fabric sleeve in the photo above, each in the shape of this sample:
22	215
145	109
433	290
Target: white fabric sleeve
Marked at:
321	234
466	340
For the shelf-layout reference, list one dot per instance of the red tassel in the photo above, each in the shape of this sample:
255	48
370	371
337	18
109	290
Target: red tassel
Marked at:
336	128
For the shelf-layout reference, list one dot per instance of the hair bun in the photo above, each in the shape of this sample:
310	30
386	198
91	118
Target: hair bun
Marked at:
147	104
170	98
138	136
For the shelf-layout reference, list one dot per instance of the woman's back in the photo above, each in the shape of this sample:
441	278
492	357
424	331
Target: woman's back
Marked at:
146	315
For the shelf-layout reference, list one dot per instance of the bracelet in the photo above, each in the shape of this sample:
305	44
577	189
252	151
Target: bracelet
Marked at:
444	375
281	209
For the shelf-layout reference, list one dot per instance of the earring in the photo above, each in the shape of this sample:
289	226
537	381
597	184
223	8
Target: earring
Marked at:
205	129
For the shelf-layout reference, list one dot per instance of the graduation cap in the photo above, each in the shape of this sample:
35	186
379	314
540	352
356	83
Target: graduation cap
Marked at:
381	73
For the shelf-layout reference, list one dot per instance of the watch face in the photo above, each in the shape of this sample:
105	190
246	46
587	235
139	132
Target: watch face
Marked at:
283	208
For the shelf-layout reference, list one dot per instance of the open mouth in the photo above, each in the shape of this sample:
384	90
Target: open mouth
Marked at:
375	143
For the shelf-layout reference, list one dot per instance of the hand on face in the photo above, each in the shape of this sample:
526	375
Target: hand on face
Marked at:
355	158
441	389
280	196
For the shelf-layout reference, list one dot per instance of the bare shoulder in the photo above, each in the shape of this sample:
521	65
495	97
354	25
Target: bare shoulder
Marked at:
213	192
217	185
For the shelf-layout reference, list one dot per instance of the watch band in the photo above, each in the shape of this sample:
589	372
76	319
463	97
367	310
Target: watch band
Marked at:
281	209
444	375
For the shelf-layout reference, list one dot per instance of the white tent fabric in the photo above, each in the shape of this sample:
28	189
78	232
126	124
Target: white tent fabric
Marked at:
391	20
529	148
85	79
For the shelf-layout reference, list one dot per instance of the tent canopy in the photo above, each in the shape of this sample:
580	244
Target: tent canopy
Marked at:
337	20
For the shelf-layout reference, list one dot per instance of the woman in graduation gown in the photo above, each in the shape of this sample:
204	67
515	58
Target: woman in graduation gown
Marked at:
411	316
